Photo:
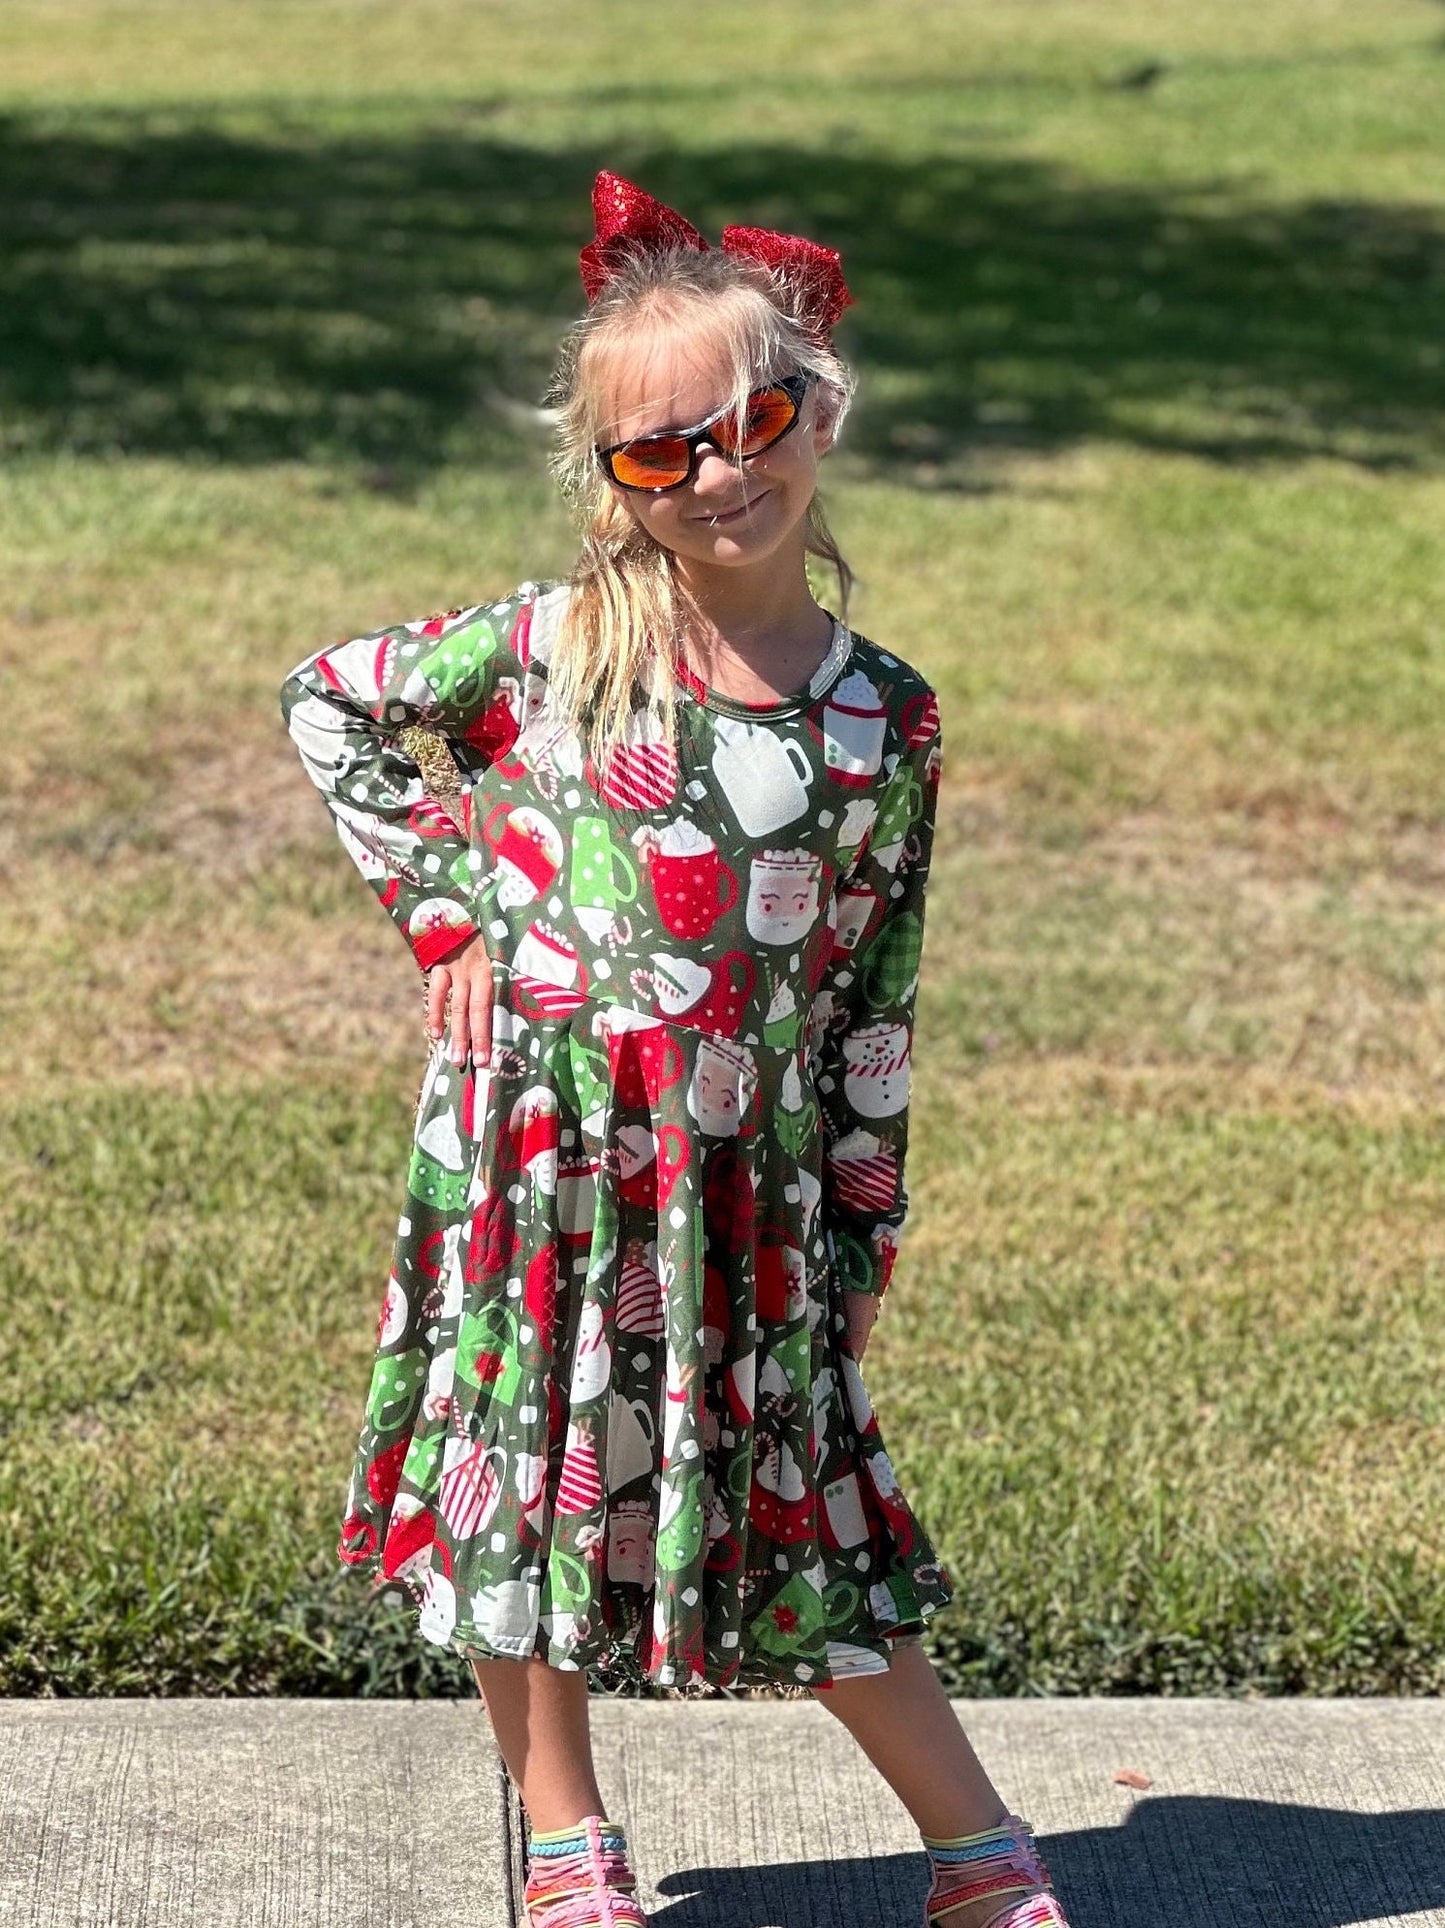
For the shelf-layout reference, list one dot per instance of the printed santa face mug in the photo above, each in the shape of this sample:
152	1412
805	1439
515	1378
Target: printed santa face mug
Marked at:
723	1082
783	895
631	1531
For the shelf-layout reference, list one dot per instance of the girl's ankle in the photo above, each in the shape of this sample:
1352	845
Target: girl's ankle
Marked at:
566	1822
572	1829
1000	1820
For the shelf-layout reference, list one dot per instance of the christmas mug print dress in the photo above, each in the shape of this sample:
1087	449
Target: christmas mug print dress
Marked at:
613	1420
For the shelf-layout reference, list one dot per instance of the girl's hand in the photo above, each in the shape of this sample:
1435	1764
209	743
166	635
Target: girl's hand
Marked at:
467	976
861	1309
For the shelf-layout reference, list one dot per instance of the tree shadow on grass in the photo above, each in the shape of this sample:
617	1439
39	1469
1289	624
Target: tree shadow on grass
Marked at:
333	297
1193	1861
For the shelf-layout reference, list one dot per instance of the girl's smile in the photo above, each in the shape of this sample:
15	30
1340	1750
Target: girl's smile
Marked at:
719	517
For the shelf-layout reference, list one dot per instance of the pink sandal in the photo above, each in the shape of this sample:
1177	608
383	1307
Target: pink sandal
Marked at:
1001	1861
581	1878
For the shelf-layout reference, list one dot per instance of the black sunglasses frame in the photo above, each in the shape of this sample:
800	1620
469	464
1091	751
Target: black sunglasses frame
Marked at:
796	386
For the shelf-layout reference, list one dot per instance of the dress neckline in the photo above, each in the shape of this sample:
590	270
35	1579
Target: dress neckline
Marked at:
818	684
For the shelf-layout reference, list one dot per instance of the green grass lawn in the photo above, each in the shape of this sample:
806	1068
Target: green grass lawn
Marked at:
1147	472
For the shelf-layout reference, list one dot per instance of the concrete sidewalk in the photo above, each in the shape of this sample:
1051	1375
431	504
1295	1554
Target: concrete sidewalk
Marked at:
366	1814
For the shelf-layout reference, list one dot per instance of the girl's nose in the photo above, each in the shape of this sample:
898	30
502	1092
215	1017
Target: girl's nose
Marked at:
715	473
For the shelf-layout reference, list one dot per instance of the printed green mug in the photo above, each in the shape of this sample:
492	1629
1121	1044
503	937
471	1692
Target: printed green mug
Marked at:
680	1541
603	876
892	958
581	1074
841	1600
854	1262
901	808
568	1579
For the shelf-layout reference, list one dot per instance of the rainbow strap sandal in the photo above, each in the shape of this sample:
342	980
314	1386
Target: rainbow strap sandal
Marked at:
581	1878
1002	1862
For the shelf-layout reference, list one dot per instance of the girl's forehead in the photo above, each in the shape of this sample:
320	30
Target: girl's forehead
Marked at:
662	378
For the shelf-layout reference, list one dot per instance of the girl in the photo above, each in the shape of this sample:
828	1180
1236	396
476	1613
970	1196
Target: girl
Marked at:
616	1423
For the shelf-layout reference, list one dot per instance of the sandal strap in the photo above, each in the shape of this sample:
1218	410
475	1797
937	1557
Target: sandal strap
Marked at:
581	1878
1034	1911
997	1862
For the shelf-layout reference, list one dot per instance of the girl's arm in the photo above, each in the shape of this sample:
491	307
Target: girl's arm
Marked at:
462	675
863	1058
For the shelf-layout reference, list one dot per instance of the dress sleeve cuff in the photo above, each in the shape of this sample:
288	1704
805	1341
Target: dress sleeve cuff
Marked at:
436	929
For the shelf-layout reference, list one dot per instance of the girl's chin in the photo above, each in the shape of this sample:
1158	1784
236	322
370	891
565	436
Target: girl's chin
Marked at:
750	540
744	541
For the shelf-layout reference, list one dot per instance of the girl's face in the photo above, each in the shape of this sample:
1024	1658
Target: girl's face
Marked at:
724	516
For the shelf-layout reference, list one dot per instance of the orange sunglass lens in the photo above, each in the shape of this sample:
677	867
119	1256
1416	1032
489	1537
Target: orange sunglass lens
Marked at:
770	411
652	464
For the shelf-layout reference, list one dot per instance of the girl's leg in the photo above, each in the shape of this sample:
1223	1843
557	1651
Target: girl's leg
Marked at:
539	1716
904	1724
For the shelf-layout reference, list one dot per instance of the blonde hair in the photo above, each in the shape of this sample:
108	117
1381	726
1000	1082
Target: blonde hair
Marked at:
617	641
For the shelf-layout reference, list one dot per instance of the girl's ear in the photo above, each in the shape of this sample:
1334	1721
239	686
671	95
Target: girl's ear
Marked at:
825	419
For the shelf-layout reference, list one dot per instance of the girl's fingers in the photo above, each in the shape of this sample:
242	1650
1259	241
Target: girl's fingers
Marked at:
469	981
461	1029
436	999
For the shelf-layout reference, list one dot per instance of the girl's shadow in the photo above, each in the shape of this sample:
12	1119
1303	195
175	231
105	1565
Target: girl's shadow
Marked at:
1193	1861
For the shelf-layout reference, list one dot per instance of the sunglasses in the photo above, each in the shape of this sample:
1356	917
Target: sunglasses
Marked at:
660	462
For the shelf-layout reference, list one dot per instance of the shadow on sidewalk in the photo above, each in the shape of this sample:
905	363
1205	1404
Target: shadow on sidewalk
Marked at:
1193	1861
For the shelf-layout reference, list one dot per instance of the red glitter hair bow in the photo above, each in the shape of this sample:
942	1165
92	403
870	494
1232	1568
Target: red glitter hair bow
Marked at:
630	221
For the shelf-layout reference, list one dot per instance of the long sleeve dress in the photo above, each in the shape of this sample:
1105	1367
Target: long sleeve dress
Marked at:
613	1420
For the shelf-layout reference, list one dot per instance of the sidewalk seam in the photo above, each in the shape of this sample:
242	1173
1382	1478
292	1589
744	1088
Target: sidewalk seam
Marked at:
512	1849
